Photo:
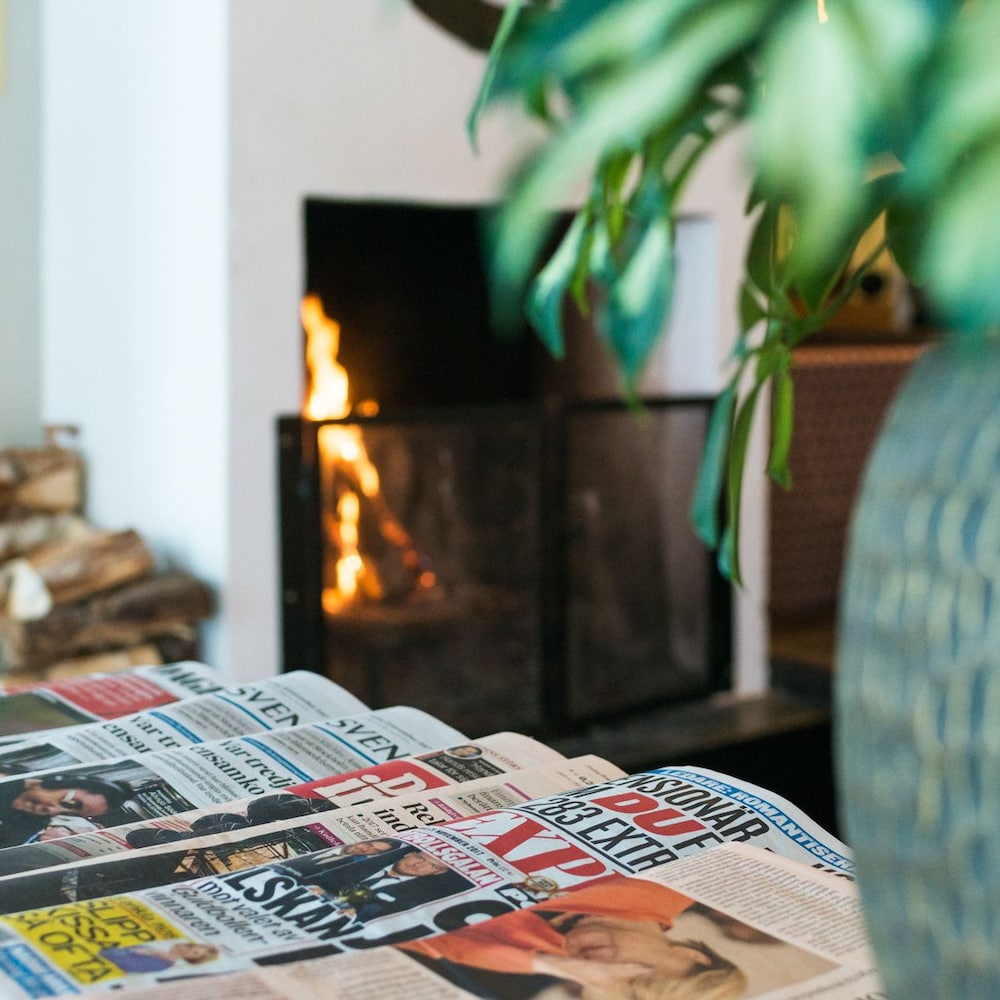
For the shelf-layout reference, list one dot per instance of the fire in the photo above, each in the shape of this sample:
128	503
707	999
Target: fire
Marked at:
347	473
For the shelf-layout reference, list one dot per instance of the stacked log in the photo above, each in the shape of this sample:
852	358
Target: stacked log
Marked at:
74	598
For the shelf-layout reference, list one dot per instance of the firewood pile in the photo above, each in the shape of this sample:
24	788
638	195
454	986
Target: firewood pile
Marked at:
76	599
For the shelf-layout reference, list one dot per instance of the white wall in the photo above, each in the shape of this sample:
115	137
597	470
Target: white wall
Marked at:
20	405
180	139
134	264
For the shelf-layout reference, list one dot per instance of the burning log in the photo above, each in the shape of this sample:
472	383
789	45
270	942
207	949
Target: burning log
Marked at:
162	607
393	569
40	480
392	561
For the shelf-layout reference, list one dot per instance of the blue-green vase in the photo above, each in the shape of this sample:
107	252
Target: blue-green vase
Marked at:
918	682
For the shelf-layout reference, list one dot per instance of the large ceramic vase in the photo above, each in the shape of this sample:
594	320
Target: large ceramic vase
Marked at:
918	682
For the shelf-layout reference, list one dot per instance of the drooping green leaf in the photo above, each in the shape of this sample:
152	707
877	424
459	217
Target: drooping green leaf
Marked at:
896	38
738	445
545	303
610	202
761	250
629	106
814	284
485	94
782	416
712	472
904	232
536	100
811	145
961	256
961	97
531	49
620	34
751	311
637	303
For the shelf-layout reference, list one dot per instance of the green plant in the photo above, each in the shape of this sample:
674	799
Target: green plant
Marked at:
853	108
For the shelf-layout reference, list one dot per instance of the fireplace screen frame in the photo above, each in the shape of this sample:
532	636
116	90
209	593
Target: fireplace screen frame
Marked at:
305	627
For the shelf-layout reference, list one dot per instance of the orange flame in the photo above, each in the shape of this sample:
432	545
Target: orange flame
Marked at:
338	446
341	448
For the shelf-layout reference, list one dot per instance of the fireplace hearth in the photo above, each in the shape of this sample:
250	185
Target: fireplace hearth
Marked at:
558	580
486	534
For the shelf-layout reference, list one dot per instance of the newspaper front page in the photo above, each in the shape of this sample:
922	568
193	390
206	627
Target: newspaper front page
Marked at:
29	710
110	792
218	853
494	755
384	890
731	922
291	699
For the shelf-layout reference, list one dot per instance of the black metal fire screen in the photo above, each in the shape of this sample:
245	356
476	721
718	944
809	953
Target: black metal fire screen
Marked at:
507	566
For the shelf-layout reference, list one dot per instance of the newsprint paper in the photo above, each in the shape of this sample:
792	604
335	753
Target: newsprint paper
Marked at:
218	853
732	922
120	790
491	756
28	709
351	898
291	699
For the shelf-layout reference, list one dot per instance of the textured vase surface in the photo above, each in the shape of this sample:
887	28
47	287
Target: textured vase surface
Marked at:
918	682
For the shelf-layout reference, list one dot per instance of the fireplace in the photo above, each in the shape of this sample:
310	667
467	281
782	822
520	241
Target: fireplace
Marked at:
521	556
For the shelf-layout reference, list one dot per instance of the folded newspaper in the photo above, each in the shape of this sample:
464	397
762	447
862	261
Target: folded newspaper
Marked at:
28	709
291	699
50	804
733	922
491	756
210	850
382	852
355	895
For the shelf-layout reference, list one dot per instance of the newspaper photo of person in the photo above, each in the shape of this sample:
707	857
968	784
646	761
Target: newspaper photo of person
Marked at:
373	878
33	808
53	805
607	941
265	809
150	958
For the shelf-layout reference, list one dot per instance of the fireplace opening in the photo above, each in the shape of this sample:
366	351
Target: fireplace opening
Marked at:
461	529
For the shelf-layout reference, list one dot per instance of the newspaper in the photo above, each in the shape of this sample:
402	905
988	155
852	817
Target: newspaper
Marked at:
730	806
501	753
384	890
27	710
220	852
735	921
291	699
110	792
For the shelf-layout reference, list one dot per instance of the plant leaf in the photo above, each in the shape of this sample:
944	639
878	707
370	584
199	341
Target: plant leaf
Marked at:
760	259
782	416
485	93
545	303
629	106
738	445
809	131
712	471
639	300
961	257
751	312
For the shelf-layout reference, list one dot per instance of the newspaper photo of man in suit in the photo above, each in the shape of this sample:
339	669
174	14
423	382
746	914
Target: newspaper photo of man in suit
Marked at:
374	878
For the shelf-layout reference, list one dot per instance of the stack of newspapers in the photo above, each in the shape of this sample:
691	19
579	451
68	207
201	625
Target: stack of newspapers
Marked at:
161	831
